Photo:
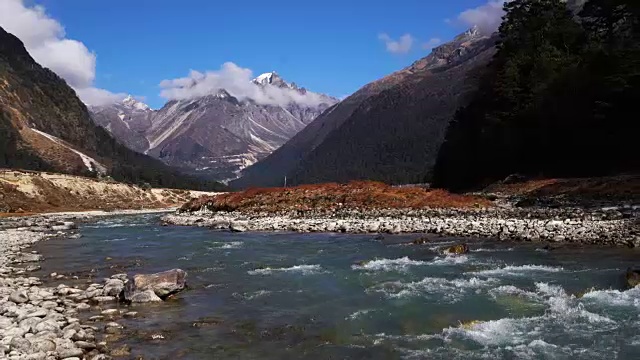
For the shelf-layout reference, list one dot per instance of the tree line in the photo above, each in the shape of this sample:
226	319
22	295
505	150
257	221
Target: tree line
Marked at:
559	98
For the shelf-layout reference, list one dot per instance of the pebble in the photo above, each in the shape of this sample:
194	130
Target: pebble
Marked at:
564	224
36	322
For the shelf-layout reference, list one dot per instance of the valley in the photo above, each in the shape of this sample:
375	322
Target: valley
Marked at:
477	198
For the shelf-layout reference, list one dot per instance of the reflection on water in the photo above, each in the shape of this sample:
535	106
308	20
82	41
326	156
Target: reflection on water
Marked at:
318	296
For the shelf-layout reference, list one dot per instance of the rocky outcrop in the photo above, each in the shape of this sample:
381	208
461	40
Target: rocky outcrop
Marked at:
154	287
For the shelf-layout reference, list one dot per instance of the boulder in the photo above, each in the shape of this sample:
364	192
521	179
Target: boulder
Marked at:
113	287
457	249
162	285
633	277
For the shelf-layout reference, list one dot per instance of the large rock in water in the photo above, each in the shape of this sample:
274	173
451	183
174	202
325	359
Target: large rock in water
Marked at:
633	277
457	249
162	284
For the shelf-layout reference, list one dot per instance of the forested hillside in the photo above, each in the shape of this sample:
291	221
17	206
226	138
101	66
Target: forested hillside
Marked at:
559	99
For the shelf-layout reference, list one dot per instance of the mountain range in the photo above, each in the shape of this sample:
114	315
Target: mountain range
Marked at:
45	126
218	134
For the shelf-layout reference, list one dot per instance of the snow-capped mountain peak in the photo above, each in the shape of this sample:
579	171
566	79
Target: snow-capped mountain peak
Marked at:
132	103
273	79
265	78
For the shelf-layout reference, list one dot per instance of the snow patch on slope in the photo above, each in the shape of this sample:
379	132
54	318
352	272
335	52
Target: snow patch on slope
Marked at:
88	161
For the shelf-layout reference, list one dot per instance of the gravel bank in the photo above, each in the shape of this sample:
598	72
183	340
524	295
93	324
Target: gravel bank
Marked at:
612	226
62	322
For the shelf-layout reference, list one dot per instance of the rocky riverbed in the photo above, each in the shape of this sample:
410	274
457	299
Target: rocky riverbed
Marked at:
77	321
611	225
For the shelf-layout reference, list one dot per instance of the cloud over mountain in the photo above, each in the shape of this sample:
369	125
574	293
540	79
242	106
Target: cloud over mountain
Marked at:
238	82
45	39
487	16
401	46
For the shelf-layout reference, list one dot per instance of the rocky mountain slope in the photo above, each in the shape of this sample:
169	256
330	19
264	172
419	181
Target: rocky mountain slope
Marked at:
45	126
126	121
389	130
218	134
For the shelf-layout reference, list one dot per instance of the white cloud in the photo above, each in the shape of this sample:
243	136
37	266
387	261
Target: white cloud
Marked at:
487	17
433	42
97	97
237	81
401	46
45	40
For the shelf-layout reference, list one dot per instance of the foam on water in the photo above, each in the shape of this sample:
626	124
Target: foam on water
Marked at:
630	298
563	311
449	260
520	270
566	306
511	290
401	264
358	314
449	290
302	269
225	245
115	240
107	224
258	294
491	250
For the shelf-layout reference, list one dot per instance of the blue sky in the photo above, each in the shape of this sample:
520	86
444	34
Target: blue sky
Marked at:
330	46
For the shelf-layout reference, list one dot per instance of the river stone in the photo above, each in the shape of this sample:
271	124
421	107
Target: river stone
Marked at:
131	314
102	299
43	345
633	277
85	345
113	287
30	323
69	352
38	313
18	297
110	312
457	249
238	226
83	306
144	297
161	284
124	350
38	356
20	344
5	322
47	325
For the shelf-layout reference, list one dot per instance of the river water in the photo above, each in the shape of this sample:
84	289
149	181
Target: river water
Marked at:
341	296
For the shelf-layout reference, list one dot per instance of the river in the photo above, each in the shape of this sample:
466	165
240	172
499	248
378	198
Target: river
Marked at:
325	295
